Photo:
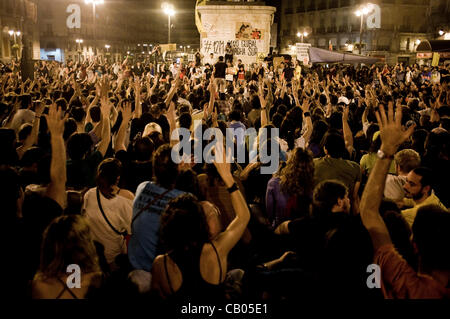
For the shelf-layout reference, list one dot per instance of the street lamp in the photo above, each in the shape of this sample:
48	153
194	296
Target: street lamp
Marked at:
79	41
361	13
16	47
94	4
170	11
302	35
441	32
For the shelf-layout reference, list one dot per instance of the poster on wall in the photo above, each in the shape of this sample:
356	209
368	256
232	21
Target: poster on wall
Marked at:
245	31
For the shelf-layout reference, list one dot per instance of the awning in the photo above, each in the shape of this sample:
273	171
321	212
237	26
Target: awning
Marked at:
434	46
317	55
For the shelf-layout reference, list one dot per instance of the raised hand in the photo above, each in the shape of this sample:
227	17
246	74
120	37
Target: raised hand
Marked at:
391	131
305	106
55	121
125	108
223	166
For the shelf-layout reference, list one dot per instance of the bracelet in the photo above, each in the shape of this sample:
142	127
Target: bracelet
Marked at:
306	114
233	188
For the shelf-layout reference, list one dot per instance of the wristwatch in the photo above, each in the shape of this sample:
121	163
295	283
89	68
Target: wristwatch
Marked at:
383	155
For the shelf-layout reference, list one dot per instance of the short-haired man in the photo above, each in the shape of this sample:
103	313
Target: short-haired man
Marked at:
419	192
405	161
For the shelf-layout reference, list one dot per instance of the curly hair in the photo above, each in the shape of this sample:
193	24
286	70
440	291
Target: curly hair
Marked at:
297	177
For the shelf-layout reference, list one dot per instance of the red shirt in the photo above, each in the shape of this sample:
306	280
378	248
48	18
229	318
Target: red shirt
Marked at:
400	281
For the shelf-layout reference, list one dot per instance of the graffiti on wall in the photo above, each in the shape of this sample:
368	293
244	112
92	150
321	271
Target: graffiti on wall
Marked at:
240	47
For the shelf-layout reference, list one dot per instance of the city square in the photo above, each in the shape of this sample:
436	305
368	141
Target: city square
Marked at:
226	158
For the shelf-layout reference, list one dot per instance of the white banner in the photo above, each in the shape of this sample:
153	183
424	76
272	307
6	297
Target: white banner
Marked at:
302	50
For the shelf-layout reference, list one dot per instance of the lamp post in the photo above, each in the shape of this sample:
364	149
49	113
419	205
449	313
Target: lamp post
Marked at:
364	10
302	35
15	46
94	4
107	46
79	41
170	11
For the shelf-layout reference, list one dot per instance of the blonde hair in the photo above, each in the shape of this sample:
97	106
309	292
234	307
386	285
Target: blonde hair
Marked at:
67	240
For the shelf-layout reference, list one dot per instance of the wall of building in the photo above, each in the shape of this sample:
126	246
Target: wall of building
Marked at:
247	28
402	24
120	24
18	15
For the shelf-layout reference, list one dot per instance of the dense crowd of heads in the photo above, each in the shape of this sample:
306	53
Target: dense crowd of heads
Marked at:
88	178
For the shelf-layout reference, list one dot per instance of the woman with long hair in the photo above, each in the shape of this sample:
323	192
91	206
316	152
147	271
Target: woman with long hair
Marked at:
67	248
195	264
289	192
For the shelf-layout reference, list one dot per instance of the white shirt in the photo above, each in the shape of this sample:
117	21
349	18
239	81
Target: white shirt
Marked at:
393	188
119	211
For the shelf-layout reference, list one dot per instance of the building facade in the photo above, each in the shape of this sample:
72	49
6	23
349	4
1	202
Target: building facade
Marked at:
18	26
333	24
118	28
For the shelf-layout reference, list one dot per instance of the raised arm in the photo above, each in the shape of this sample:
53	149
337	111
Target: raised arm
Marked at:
212	94
392	136
172	122
348	136
137	94
126	117
56	190
228	238
264	120
106	112
172	91
307	118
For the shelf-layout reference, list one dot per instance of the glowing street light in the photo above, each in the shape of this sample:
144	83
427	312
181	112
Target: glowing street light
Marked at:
15	34
94	4
441	32
302	35
364	10
170	11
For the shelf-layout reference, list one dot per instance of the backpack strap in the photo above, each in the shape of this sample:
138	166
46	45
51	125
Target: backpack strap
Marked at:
160	196
104	216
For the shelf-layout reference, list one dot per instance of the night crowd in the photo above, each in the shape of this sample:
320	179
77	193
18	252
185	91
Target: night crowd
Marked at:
87	179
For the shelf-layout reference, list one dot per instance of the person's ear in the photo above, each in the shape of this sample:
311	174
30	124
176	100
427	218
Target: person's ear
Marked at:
340	203
426	189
